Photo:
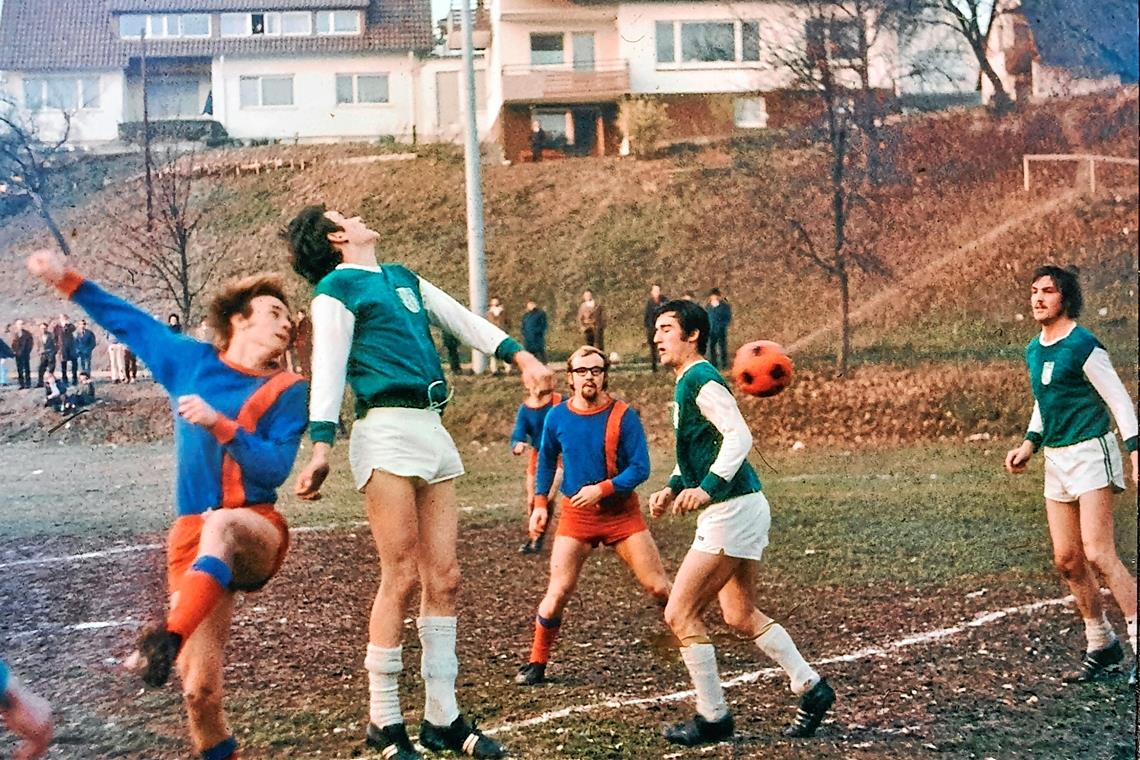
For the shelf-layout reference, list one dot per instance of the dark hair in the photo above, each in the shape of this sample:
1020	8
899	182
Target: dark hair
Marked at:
1072	302
714	292
308	237
691	317
235	297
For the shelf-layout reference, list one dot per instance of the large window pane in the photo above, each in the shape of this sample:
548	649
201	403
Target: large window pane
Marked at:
296	23
344	92
34	94
250	89
665	47
131	26
277	91
372	88
195	25
749	41
89	92
164	26
235	24
63	94
346	22
546	49
707	42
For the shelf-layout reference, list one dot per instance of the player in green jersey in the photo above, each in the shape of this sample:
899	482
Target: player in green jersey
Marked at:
713	475
1074	389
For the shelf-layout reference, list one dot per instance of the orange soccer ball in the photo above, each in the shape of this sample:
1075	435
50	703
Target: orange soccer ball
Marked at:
761	368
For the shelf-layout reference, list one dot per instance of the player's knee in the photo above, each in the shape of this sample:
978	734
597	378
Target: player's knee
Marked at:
676	617
1070	563
398	579
201	699
739	620
442	583
659	589
1101	558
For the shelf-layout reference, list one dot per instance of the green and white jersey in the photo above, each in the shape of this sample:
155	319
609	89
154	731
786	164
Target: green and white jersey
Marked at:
1075	386
713	440
370	325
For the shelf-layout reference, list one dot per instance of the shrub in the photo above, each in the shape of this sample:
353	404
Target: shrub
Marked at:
644	121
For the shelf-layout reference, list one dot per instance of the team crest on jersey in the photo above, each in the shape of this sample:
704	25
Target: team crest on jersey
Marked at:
1046	373
408	297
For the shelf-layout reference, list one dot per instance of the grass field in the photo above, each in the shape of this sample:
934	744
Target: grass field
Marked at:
868	550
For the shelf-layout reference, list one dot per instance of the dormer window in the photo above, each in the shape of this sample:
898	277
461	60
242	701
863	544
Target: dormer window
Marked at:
268	24
338	22
164	26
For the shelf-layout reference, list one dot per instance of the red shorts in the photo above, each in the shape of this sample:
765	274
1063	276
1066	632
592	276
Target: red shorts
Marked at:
185	534
611	522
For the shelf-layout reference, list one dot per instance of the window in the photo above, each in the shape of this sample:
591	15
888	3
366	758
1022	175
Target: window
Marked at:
266	91
546	49
751	113
235	25
708	41
195	25
361	88
338	22
164	26
840	42
296	23
749	41
62	93
664	34
132	26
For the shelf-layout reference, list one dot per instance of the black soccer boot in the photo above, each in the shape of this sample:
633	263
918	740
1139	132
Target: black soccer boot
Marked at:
813	706
698	731
392	741
531	674
461	737
1094	663
158	649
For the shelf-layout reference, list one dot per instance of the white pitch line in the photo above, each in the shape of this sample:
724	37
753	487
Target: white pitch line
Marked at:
978	621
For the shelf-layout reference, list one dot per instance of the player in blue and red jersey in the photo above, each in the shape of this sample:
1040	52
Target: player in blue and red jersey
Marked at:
25	714
238	421
528	435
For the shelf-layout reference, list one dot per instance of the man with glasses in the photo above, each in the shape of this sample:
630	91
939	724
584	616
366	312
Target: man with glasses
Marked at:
604	458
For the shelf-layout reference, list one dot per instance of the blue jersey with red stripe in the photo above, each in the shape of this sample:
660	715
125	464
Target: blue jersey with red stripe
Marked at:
580	437
246	456
529	421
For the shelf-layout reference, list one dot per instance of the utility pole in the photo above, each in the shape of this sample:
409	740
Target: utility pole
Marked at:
476	267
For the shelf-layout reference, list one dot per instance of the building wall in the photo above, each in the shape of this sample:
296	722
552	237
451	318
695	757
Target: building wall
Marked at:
429	127
315	114
88	126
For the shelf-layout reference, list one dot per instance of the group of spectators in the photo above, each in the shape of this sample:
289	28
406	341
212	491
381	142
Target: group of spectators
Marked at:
591	322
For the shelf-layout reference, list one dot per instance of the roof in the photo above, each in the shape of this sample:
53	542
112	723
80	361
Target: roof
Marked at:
225	6
1089	37
50	35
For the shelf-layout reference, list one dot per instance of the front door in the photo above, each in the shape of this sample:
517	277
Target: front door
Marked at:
447	99
583	48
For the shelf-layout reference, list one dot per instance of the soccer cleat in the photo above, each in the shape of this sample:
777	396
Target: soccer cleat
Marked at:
1094	663
392	741
698	731
536	544
527	547
158	649
530	674
813	706
461	737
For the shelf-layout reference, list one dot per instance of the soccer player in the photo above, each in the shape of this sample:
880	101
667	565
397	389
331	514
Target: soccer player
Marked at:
605	457
238	422
26	714
528	435
1074	389
712	475
371	324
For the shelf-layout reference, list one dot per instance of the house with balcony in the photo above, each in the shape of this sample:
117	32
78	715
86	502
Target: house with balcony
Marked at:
302	70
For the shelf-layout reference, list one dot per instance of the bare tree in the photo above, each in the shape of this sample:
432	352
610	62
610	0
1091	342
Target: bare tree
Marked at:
834	64
973	20
27	162
161	255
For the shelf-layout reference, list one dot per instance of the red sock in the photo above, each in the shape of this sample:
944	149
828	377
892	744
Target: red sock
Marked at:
545	631
200	591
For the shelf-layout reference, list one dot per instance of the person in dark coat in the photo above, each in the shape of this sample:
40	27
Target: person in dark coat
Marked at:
537	140
84	347
720	316
534	326
64	331
5	354
451	346
651	305
48	351
22	345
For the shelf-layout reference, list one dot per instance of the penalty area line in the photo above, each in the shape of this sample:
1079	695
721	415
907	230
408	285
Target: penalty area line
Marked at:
979	620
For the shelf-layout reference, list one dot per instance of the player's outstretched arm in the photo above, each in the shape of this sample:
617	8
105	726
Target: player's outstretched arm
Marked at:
27	715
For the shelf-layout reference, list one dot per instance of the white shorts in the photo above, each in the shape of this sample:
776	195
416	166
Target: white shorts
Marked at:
1086	466
737	527
411	443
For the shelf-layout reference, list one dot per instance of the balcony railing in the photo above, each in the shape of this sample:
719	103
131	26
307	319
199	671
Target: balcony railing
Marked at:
581	82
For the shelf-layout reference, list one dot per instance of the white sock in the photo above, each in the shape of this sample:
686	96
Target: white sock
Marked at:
700	659
1131	622
384	666
439	667
1099	633
778	645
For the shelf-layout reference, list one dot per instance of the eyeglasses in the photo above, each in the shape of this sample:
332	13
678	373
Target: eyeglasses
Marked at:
592	371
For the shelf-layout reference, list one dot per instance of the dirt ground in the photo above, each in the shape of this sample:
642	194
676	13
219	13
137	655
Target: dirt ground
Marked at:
297	688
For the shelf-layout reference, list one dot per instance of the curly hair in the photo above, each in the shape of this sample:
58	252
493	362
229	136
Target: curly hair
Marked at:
235	298
307	234
1072	301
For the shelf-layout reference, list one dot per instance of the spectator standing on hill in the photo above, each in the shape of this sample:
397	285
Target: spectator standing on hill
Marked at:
497	315
720	317
174	322
48	353
592	321
26	714
130	365
533	327
451	346
301	351
651	306
537	140
1075	387
22	345
116	355
64	331
6	353
84	346
204	332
